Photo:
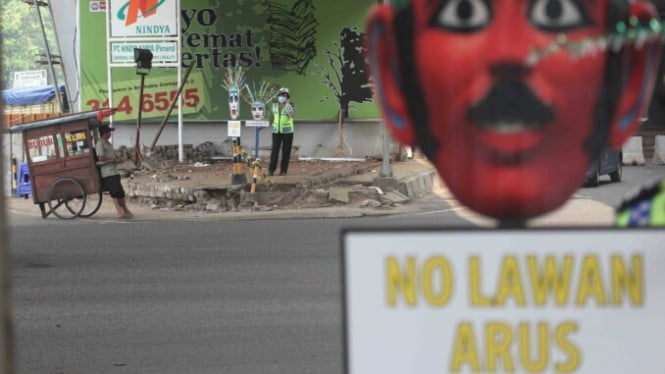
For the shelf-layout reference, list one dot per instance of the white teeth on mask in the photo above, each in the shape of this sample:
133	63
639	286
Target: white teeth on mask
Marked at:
508	127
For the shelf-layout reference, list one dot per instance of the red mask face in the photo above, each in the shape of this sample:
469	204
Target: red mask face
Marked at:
512	131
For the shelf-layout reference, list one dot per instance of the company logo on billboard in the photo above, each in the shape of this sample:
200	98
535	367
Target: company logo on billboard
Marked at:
130	11
98	6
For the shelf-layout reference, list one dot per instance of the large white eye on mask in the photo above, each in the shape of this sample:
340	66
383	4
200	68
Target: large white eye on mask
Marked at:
234	104
463	15
233	97
558	15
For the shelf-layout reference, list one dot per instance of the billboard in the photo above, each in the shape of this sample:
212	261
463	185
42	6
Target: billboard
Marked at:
309	46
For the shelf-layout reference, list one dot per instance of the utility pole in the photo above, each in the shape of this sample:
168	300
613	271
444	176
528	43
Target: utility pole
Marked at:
386	170
143	59
6	329
49	57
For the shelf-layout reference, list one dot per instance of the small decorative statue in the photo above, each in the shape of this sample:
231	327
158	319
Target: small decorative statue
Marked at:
234	80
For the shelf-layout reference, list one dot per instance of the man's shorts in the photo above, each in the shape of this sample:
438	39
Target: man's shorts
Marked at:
113	186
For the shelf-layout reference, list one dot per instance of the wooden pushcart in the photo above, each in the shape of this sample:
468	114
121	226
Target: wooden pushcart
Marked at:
62	164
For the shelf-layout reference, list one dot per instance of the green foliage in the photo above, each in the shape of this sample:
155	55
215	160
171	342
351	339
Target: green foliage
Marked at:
22	38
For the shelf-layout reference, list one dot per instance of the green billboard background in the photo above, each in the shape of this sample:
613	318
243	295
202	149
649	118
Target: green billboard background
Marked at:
309	46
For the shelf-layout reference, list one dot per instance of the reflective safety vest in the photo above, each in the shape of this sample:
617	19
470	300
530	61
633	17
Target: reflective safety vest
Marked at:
281	123
643	207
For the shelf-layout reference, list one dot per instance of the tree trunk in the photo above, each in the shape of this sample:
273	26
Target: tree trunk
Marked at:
340	151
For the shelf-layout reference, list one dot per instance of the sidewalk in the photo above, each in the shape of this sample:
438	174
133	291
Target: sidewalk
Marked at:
320	189
310	189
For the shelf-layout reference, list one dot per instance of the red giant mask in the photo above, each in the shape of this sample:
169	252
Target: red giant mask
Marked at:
512	99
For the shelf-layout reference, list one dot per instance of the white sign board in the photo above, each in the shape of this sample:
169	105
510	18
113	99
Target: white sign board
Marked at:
143	18
234	129
257	123
29	78
498	301
122	52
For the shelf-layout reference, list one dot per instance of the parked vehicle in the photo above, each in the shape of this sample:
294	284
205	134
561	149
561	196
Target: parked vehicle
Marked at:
610	162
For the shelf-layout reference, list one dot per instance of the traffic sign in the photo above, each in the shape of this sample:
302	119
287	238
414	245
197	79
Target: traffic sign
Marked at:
495	301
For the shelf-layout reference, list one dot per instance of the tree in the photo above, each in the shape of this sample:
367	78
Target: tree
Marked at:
23	40
346	76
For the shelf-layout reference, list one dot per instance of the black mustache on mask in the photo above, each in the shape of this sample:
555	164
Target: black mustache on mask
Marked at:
510	101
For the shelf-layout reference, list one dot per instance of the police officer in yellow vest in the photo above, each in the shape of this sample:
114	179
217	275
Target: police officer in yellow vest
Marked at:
644	206
282	131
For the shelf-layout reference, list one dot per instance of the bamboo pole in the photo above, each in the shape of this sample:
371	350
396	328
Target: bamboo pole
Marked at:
168	114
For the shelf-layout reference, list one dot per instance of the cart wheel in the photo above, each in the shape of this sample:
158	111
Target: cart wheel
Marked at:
66	198
92	203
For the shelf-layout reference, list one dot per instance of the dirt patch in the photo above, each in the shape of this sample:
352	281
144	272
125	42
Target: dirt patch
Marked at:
305	185
203	175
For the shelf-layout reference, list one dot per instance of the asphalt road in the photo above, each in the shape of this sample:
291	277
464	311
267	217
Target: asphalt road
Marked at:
633	177
195	296
179	297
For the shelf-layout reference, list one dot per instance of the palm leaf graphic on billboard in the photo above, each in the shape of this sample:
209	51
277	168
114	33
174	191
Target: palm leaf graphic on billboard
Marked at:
292	36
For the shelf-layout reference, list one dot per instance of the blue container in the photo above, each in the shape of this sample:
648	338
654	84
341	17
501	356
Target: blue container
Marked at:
23	187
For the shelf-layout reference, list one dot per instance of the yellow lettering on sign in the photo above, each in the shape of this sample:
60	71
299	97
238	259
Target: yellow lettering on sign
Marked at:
474	273
510	283
406	282
629	281
465	351
75	136
502	341
573	352
401	282
550	279
499	338
558	281
543	333
590	282
437	265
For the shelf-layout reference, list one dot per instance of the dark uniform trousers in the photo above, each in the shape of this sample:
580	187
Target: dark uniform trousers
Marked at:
279	140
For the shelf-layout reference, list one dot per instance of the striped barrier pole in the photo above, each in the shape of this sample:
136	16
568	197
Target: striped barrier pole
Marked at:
238	176
252	191
255	176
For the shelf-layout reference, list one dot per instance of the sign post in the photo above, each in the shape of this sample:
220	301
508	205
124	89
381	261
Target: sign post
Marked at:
258	125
